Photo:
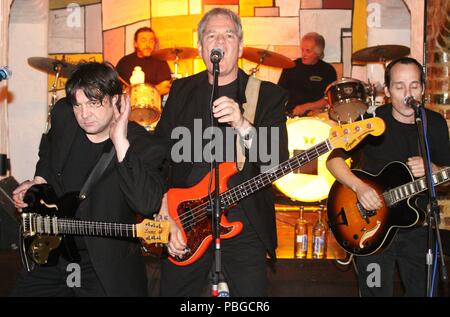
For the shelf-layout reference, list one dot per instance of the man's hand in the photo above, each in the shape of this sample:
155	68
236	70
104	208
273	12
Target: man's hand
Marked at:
20	191
119	127
177	245
163	87
415	164
368	197
226	110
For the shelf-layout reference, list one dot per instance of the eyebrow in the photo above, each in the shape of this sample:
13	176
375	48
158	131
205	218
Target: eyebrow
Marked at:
402	82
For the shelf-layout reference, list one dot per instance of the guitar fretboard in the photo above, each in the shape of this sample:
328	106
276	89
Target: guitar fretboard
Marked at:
254	184
415	187
54	226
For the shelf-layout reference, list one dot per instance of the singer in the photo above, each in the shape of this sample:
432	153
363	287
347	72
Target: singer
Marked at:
400	142
244	256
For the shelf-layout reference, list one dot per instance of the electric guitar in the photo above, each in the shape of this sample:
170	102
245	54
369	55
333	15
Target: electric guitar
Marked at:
364	232
188	206
48	227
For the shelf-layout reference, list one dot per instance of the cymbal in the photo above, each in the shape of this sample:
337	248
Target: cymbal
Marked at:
268	58
380	53
50	65
171	53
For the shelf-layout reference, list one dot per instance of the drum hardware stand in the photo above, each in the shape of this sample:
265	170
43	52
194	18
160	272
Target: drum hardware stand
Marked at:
372	93
176	63
262	56
57	69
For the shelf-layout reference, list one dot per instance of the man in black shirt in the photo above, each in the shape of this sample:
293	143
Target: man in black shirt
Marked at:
403	77
87	124
188	108
157	72
307	81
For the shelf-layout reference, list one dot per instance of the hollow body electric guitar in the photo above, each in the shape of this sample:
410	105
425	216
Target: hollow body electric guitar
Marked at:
188	206
48	227
364	232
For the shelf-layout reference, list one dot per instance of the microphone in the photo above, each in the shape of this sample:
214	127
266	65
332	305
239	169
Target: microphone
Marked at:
5	73
216	55
411	102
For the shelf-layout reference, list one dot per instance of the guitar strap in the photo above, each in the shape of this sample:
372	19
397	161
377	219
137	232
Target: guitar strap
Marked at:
251	94
97	172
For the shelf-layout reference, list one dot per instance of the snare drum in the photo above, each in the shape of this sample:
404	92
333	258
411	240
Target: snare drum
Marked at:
145	105
347	98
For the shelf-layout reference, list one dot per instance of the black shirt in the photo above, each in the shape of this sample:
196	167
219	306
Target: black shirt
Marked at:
306	83
155	70
401	141
83	156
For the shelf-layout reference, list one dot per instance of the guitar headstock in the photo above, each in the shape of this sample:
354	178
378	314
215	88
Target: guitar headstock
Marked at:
347	136
153	231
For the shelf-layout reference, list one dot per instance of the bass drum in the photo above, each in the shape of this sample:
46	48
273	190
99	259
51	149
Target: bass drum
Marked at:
313	181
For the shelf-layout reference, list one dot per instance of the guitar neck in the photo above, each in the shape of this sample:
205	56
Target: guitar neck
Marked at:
262	180
415	187
56	226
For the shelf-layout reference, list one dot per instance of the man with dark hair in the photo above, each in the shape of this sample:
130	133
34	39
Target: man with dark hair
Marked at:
188	108
400	142
90	122
157	72
307	81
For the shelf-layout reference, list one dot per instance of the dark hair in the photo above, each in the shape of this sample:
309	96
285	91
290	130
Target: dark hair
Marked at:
141	30
405	61
216	12
96	80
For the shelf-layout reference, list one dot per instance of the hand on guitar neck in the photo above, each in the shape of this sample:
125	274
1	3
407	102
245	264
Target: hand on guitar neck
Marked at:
309	108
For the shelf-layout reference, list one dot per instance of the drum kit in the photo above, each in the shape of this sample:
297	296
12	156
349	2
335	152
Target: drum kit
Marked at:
348	100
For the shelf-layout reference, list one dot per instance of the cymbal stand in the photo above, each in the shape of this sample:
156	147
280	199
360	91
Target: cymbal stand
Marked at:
176	63
57	70
255	69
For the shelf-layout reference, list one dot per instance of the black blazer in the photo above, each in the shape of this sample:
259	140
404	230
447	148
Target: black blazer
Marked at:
134	185
186	98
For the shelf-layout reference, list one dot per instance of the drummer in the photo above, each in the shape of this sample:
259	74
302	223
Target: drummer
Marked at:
307	81
157	72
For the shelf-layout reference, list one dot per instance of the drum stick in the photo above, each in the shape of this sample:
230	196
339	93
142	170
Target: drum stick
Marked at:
124	82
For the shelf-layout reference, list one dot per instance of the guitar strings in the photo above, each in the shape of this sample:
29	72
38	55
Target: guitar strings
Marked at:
298	161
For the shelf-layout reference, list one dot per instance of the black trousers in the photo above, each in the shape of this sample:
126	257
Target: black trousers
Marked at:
243	265
408	251
59	281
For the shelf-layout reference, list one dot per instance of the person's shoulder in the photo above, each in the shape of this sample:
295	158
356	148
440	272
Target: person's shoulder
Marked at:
127	57
269	89
434	115
190	81
62	106
384	110
327	65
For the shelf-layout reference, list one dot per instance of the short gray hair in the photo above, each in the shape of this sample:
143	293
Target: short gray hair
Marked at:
319	40
220	11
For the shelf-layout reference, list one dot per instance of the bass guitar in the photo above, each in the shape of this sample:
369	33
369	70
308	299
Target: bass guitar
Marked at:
188	206
364	232
48	227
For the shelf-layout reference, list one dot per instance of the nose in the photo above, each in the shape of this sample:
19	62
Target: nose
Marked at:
220	38
85	111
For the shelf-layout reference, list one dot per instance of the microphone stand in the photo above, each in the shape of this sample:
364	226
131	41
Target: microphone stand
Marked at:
215	204
433	209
